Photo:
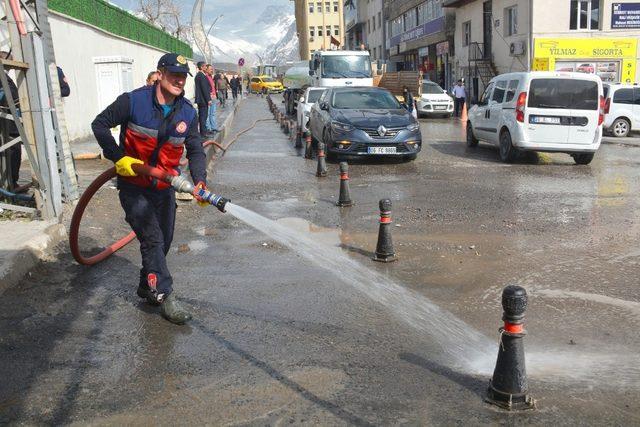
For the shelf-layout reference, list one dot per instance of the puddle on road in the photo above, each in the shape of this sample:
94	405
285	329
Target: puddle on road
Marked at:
468	349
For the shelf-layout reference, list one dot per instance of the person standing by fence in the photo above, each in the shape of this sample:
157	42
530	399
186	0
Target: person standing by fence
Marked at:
459	96
212	125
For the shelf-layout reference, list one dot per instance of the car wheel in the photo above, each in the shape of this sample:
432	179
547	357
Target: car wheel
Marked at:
472	141
620	128
583	158
327	143
508	152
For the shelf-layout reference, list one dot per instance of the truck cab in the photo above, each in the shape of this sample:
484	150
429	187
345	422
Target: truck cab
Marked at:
329	68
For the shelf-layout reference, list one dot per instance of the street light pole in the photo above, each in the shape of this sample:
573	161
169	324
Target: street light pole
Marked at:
207	37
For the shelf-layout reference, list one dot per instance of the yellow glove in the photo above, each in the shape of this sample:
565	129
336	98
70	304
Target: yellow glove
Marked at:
200	186
123	166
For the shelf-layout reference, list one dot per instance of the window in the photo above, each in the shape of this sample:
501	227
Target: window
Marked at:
310	7
373	23
368	26
336	30
312	32
335	7
346	66
636	99
511	90
498	92
410	19
319	31
374	53
585	15
328	33
422	13
466	33
319	7
327	7
379	19
571	94
484	100
623	96
511	20
396	26
365	99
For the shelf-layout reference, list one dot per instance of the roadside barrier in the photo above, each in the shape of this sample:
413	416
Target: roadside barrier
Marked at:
298	137
322	164
509	387
307	146
344	199
384	248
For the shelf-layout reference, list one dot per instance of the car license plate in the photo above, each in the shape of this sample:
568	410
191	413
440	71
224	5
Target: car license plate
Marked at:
547	120
440	107
382	150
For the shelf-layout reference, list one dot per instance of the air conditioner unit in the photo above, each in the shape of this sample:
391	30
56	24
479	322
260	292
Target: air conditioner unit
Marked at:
517	48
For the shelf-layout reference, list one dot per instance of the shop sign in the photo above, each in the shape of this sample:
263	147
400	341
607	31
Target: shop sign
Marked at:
442	48
402	47
585	48
425	29
540	64
625	15
423	51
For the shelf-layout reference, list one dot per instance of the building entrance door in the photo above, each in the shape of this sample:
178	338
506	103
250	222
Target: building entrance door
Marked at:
487	26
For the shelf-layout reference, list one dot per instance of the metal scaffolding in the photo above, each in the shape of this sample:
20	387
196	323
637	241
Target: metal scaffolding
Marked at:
39	118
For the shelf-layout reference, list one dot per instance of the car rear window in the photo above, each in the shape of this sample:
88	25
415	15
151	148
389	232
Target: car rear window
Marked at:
623	96
365	100
571	94
314	95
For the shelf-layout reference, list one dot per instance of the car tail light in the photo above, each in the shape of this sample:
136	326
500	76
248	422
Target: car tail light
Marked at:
520	106
601	112
607	106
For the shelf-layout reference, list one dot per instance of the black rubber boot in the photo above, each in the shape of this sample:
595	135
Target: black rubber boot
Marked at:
173	311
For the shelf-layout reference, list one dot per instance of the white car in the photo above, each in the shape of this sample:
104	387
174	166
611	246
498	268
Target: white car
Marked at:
434	100
540	111
309	97
621	109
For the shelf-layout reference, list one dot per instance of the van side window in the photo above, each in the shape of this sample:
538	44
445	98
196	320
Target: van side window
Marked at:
636	96
511	90
498	92
623	96
484	99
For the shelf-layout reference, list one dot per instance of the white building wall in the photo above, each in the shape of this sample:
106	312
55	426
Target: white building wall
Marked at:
375	38
76	44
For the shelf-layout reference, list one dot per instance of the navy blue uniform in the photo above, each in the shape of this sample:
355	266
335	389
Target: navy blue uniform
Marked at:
158	137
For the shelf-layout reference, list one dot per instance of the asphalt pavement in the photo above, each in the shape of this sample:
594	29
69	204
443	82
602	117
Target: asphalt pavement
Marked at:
285	337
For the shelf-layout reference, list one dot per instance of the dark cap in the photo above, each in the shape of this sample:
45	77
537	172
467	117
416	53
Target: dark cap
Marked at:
174	63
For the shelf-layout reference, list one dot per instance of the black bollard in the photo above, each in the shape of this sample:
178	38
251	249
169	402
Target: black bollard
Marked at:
384	248
286	125
344	199
298	137
307	146
322	164
508	388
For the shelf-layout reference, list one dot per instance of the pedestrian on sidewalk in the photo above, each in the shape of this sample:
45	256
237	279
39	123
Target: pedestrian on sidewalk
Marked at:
235	85
408	99
156	124
221	86
203	97
212	124
152	78
459	97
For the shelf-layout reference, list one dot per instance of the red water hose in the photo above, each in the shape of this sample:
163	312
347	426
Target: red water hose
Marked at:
74	232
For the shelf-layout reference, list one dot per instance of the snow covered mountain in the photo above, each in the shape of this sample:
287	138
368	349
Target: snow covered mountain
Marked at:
271	37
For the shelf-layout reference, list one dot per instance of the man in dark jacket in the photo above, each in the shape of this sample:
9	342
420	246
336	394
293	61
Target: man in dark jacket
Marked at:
157	123
65	90
203	97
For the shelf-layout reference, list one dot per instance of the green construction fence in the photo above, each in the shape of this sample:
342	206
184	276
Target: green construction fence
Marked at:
116	21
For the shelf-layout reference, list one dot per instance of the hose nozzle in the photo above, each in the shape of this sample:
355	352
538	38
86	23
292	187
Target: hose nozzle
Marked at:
183	185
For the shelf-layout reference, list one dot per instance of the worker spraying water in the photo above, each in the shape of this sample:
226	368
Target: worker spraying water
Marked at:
156	124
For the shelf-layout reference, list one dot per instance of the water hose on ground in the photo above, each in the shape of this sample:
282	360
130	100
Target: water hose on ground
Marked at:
179	183
15	196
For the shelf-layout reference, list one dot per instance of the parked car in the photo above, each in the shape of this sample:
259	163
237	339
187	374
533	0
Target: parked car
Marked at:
364	121
265	84
540	111
309	97
434	100
621	109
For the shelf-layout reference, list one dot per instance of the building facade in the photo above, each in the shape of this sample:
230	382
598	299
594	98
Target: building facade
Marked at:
365	25
320	24
420	38
499	36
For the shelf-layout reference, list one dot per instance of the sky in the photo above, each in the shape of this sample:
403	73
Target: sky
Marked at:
237	13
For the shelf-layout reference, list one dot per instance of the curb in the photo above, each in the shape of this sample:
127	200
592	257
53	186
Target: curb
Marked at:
31	254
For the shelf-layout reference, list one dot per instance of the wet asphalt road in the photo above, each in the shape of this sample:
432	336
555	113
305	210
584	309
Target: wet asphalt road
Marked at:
277	340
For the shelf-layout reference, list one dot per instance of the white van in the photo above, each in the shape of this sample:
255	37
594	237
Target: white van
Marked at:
540	111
